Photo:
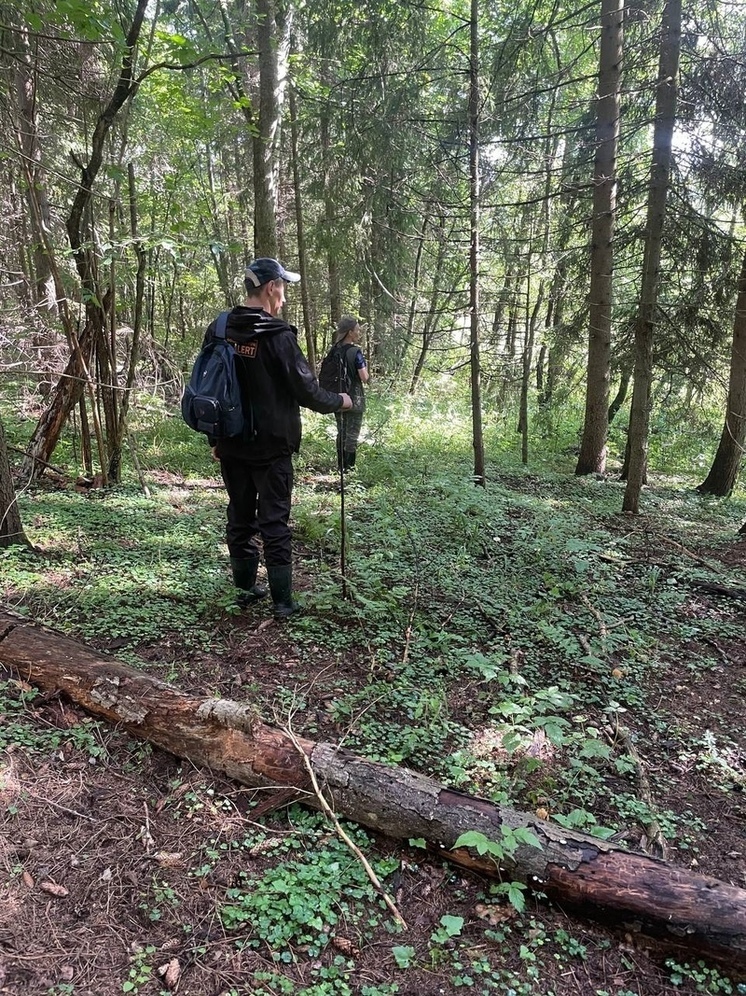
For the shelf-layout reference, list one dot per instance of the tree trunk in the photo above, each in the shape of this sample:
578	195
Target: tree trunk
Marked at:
541	362
592	456
665	118
412	317
266	141
431	321
527	360
558	351
301	235
625	375
724	471
11	527
474	200
66	394
575	869
212	225
116	441
330	221
71	385
505	295
86	453
27	135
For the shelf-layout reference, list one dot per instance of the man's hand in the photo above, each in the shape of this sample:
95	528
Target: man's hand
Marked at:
346	402
214	451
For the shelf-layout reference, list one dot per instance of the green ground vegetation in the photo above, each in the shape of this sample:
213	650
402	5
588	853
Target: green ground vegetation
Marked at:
504	640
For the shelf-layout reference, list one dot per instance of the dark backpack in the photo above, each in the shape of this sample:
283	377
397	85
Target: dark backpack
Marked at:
212	399
335	374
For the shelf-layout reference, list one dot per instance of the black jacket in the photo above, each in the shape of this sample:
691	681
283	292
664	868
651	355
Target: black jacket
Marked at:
276	381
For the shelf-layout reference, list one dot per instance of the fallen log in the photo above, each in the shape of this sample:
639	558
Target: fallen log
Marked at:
596	877
712	588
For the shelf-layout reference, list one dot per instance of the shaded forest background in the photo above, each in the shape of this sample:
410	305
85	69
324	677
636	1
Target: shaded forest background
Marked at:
543	202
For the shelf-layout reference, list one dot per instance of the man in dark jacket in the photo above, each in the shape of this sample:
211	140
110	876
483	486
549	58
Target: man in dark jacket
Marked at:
257	467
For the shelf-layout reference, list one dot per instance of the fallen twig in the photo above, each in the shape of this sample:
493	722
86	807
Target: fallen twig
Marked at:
408	633
651	827
49	466
596	615
65	809
343	836
682	549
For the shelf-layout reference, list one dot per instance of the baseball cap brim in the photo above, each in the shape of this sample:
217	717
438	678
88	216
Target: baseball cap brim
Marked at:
292	278
261	271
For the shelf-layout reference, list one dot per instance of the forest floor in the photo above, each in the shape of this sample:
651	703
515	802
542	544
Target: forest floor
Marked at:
124	869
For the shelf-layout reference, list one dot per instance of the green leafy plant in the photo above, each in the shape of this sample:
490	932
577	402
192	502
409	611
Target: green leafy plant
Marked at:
450	926
161	897
581	819
300	902
501	851
140	972
705	978
404	955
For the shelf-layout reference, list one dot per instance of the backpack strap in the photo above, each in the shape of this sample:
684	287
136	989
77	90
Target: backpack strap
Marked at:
221	325
349	357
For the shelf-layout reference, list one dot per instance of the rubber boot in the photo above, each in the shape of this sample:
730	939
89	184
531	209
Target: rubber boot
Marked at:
244	578
281	586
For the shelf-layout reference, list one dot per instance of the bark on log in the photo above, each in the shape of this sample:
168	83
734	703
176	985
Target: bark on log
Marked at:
595	877
713	588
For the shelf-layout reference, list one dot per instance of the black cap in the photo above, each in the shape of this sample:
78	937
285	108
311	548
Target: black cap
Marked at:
264	269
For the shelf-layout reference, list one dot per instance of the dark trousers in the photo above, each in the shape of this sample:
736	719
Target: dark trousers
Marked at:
349	424
259	505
